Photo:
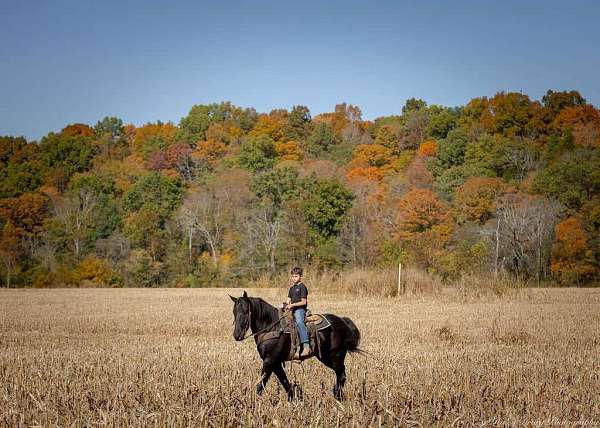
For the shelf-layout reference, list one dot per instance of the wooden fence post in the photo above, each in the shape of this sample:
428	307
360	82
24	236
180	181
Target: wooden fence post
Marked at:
400	288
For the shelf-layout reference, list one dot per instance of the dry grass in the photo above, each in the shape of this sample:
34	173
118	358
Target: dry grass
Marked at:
167	357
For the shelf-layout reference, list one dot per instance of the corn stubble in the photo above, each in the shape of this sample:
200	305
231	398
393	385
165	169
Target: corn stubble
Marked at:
167	357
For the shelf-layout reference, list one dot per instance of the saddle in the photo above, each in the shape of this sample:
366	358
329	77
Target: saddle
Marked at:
314	323
287	325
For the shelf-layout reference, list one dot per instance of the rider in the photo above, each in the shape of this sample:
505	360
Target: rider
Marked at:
297	301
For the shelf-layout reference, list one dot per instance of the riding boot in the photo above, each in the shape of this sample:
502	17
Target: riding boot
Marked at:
306	352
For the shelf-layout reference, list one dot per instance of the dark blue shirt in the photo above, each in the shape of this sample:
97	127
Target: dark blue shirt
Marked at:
298	292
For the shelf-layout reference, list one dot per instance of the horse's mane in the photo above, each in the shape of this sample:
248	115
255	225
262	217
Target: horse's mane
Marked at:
263	311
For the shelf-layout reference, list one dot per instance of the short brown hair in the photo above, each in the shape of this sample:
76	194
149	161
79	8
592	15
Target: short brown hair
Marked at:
297	270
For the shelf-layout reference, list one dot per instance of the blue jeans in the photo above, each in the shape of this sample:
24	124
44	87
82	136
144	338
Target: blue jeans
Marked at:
300	317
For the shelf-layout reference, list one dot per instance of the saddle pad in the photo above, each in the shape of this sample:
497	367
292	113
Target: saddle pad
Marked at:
317	321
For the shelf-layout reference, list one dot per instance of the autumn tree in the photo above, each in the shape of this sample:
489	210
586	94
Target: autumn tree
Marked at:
476	198
423	225
154	137
572	257
271	125
427	149
78	130
583	122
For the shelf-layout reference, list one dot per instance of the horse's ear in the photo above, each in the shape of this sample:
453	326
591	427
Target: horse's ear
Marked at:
245	295
232	298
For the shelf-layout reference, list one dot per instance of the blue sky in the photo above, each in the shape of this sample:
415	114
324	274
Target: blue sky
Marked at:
63	62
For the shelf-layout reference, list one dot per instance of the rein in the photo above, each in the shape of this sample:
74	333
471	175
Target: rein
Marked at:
262	330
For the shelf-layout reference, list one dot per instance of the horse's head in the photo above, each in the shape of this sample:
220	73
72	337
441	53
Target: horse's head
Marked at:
241	315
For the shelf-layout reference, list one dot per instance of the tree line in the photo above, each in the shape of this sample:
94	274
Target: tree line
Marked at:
504	184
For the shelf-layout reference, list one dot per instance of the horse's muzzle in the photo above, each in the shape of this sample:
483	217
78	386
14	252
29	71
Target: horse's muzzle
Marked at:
238	338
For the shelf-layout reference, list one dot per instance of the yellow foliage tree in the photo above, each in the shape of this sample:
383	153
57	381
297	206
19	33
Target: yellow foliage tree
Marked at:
95	272
289	151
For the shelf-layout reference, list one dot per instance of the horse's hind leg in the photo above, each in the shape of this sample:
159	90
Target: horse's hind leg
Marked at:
283	380
340	374
336	363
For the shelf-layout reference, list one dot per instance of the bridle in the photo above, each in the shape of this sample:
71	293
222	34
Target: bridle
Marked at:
270	326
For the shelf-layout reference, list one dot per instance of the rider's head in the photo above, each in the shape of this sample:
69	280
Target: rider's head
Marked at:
296	274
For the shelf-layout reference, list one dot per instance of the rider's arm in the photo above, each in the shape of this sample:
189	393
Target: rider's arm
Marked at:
302	302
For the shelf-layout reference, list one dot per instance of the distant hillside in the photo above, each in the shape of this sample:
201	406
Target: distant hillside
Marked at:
503	184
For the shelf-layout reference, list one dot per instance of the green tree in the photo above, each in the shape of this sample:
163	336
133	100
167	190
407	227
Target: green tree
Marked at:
279	185
194	125
64	155
325	206
113	126
298	126
450	151
321	140
258	153
19	178
441	121
572	180
164	193
413	104
106	216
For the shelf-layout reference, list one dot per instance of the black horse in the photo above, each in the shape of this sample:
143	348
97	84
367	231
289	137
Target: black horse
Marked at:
335	342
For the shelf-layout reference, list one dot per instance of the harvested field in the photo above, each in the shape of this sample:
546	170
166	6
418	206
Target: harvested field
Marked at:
167	357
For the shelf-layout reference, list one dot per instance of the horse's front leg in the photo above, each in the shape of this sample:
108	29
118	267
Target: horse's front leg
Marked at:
267	369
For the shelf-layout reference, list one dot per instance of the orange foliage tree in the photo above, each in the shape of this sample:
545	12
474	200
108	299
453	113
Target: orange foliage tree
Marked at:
26	212
427	149
476	198
209	152
154	136
423	225
343	115
572	258
78	130
583	121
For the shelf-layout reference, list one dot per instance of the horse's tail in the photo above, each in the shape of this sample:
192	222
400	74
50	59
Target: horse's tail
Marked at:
353	339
